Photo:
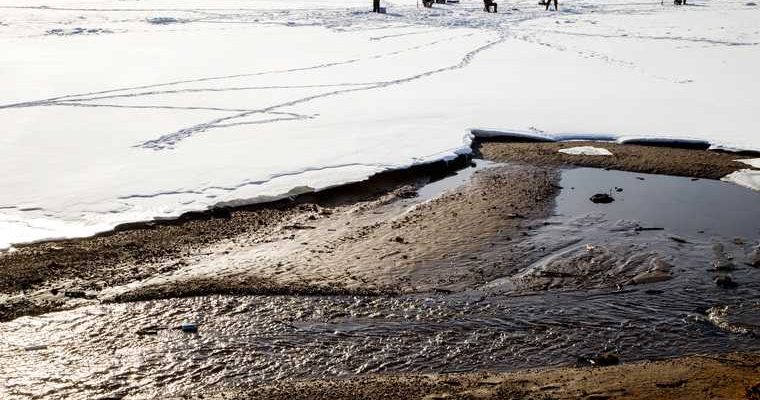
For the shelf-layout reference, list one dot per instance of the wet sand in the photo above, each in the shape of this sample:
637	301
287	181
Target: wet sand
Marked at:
628	157
394	236
730	376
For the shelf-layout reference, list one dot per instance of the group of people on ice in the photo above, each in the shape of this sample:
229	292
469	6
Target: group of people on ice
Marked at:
489	5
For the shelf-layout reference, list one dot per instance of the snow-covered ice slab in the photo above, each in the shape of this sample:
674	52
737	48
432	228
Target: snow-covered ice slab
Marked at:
115	111
586	151
749	178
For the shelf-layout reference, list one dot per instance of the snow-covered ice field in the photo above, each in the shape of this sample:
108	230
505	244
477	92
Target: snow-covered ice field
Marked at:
114	111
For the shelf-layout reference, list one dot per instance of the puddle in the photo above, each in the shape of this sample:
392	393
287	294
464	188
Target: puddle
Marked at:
678	204
453	181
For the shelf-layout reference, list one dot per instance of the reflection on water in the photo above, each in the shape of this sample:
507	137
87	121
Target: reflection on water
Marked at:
134	350
679	204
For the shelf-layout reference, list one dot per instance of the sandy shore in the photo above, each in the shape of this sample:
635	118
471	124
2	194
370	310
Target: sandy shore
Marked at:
731	376
389	236
352	239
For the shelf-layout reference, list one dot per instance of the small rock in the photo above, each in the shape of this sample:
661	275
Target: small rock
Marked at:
398	239
189	327
726	282
751	4
602	198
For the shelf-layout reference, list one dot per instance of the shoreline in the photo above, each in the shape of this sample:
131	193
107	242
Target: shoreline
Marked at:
445	166
729	376
471	253
82	268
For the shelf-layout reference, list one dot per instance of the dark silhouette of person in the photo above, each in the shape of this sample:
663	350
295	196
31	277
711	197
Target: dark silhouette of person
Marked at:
376	6
548	2
490	4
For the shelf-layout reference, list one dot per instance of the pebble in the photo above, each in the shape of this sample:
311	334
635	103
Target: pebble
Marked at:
602	198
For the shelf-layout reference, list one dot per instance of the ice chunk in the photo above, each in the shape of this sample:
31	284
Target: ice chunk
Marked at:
749	178
586	151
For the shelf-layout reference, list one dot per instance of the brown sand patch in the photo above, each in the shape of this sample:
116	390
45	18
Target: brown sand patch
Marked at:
635	158
389	245
733	376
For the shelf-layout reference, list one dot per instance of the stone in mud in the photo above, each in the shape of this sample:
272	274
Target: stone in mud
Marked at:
651	277
602	198
726	282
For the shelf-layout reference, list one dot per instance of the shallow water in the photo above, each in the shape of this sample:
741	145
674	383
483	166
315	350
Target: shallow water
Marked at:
132	351
680	204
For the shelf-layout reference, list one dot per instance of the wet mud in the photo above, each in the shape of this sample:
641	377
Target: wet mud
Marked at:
501	266
628	157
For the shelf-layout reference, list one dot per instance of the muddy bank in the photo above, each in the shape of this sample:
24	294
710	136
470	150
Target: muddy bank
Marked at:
370	238
731	376
361	290
384	236
627	157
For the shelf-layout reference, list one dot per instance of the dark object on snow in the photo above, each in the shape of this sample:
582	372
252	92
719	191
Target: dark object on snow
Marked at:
602	198
376	6
679	2
427	3
726	282
488	4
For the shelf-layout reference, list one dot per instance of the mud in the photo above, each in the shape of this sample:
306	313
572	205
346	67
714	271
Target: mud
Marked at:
733	376
358	291
628	157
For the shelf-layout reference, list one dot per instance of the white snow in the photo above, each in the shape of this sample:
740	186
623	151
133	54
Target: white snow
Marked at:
586	151
749	178
115	111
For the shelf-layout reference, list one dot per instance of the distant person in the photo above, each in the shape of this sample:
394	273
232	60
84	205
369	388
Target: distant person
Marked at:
548	2
489	4
376	6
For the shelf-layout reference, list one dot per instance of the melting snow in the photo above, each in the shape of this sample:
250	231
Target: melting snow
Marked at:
749	178
586	151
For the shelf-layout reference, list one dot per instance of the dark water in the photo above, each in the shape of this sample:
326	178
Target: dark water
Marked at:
117	350
679	204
